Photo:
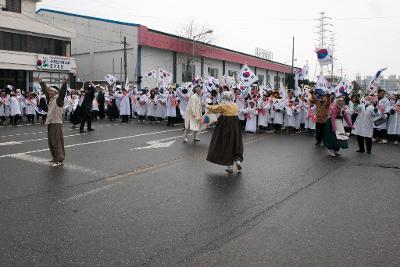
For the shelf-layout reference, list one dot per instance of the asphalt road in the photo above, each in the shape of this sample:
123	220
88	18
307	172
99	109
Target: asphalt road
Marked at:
113	204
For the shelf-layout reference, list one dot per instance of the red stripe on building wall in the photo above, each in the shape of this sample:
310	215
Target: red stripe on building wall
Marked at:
176	44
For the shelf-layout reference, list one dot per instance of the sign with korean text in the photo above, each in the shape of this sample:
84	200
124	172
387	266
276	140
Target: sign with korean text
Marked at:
48	62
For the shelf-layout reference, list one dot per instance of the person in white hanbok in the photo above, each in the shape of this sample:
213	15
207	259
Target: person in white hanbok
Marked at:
250	114
152	106
30	105
161	110
380	132
21	100
172	103
142	106
241	102
278	107
184	97
263	107
394	120
15	109
364	124
193	115
3	106
124	105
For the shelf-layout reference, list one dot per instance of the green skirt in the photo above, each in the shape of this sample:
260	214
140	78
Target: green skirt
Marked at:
330	140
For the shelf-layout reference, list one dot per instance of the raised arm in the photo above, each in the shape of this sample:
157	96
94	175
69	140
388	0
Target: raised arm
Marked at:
62	93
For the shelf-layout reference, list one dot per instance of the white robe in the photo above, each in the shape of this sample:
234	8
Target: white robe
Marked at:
364	124
30	105
384	103
263	115
241	105
183	102
3	106
124	106
15	108
152	106
394	120
193	113
161	110
171	108
142	106
251	121
279	104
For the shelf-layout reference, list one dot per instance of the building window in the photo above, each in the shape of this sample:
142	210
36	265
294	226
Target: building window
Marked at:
213	72
188	72
232	73
13	5
32	44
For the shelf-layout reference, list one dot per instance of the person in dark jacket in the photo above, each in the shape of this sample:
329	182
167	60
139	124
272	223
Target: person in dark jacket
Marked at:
86	108
101	100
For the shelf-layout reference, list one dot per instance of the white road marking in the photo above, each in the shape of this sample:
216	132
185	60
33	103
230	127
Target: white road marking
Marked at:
164	139
88	193
10	143
94	142
156	144
45	162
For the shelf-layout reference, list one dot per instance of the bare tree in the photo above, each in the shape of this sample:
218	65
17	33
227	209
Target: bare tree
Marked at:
196	41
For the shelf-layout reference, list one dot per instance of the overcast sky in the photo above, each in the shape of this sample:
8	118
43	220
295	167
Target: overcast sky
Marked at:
367	32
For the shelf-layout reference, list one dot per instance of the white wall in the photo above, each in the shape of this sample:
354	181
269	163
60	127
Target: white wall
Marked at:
96	44
28	7
152	59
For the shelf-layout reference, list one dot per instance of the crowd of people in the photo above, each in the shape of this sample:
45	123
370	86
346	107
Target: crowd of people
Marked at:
372	118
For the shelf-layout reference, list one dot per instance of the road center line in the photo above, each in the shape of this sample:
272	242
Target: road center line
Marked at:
87	193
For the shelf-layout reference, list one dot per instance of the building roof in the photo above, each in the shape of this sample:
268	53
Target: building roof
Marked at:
13	21
87	17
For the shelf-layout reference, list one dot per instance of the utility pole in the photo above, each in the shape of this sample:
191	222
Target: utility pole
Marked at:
125	60
293	56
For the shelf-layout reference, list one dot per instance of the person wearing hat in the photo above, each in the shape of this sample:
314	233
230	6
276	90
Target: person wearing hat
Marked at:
193	115
322	102
335	136
226	146
54	121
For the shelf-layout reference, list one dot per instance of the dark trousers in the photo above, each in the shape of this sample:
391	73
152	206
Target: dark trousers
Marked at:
125	118
30	117
380	134
319	131
278	128
368	141
56	141
86	118
171	121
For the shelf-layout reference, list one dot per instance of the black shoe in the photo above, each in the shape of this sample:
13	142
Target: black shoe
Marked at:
90	130
360	151
318	143
82	131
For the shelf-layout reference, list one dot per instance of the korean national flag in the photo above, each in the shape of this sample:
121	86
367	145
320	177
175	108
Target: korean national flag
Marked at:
246	76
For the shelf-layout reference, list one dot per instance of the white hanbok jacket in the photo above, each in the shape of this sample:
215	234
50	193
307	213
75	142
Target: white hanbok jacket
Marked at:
184	100
171	105
124	106
152	106
241	102
193	113
251	119
142	106
279	110
4	106
15	108
364	124
394	119
161	110
30	105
